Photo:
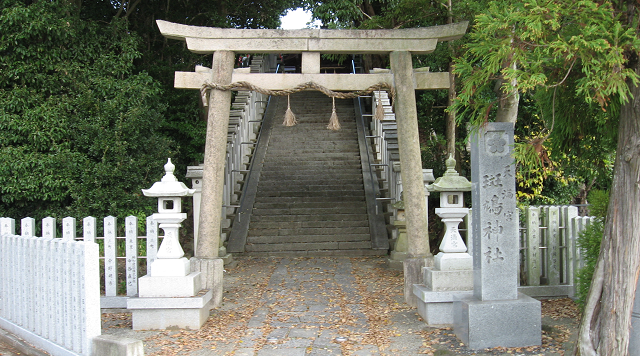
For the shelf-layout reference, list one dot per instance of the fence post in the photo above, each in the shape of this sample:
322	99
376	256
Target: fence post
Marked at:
19	264
4	275
533	246
90	295
131	237
69	229
40	282
152	242
28	227
553	245
49	292
7	226
571	212
110	256
49	228
58	294
89	229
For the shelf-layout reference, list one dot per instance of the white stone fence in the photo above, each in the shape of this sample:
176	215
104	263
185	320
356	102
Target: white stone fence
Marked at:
549	253
119	256
49	287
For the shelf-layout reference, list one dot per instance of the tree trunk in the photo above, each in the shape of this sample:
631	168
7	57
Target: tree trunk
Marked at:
450	133
607	332
508	108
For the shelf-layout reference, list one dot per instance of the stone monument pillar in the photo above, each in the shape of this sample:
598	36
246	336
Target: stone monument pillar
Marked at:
496	314
171	295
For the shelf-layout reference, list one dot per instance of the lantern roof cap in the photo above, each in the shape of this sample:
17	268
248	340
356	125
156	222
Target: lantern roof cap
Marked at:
169	186
450	181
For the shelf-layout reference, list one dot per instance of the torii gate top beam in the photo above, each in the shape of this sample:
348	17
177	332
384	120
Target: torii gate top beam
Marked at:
206	40
311	43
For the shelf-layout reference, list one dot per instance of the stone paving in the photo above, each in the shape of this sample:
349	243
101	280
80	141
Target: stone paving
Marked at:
320	306
323	306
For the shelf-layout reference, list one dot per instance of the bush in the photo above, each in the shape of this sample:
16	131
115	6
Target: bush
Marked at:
589	243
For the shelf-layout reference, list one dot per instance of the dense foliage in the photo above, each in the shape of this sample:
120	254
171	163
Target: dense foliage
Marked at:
80	128
567	62
87	106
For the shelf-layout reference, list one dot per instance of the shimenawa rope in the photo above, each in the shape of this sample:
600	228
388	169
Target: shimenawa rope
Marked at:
290	118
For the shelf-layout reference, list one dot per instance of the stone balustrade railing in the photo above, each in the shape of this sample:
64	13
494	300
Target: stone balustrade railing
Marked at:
384	135
50	288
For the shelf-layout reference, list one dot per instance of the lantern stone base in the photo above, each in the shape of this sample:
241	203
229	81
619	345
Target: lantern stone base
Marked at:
169	287
165	313
171	267
507	323
439	281
438	290
436	308
453	261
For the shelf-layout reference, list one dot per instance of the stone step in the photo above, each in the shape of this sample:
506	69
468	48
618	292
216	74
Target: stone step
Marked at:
308	238
312	193
310	186
315	157
320	175
286	185
317	253
305	218
314	149
274	224
309	246
322	199
310	205
309	136
307	211
336	196
364	230
295	166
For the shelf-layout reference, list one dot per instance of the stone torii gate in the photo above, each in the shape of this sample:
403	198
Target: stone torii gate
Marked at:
311	43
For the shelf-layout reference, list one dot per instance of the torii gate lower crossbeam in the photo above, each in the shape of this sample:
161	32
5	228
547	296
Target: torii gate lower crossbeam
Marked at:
222	43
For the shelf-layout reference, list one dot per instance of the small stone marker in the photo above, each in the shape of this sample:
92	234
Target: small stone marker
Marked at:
496	315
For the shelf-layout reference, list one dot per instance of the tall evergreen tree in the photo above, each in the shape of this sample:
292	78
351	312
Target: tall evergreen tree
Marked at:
592	48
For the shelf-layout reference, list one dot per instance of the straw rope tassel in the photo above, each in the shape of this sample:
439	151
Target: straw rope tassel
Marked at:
289	117
334	124
379	108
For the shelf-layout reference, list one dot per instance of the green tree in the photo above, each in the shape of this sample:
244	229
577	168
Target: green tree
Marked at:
592	47
80	128
184	118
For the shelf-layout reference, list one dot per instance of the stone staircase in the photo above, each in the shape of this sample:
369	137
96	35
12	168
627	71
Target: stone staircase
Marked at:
310	199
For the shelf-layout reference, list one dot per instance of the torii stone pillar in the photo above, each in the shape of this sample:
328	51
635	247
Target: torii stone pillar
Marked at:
206	260
411	173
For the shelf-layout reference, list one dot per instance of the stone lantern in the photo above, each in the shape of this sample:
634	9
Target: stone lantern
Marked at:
170	295
453	252
452	276
169	191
